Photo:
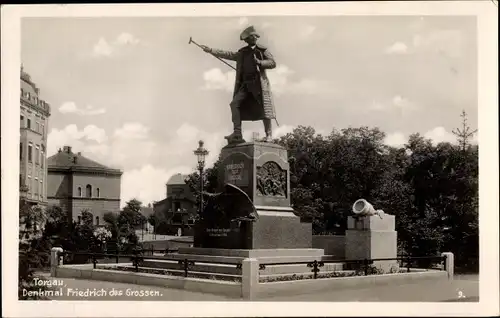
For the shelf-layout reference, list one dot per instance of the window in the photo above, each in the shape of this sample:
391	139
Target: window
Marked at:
42	159
79	191
41	189
29	184
98	193
28	123
21	151
88	191
96	220
30	153
37	155
43	130
177	206
35	186
22	121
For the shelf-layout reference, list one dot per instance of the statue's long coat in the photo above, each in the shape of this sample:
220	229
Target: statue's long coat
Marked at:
262	106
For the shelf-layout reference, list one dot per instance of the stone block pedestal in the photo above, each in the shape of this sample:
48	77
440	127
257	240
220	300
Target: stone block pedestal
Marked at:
370	237
260	171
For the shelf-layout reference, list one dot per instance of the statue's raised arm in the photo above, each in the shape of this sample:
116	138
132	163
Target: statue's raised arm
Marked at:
252	97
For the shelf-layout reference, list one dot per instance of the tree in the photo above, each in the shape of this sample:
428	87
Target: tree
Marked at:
464	135
122	226
33	254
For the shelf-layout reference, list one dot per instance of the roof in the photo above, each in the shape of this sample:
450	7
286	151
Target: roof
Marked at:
66	159
177	179
146	211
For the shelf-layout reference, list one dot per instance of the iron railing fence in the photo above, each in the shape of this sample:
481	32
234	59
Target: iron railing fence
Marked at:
138	257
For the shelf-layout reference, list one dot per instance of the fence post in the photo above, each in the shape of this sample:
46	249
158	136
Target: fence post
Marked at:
249	278
186	267
449	264
94	261
408	263
365	262
54	260
117	258
136	263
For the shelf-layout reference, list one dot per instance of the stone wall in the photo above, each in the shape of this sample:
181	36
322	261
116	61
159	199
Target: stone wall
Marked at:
98	207
332	244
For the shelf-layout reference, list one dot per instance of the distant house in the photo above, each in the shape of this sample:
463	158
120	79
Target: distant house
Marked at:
77	183
179	207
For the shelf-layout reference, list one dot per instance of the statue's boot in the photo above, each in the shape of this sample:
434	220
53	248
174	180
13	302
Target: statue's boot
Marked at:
236	136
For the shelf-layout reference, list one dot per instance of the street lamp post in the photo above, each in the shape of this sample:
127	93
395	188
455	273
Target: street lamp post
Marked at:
201	154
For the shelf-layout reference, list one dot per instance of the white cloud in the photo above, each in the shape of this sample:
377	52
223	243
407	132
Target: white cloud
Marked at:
102	48
215	79
439	134
72	108
71	136
105	49
128	147
132	131
436	135
127	39
401	102
396	103
397	48
147	183
396	139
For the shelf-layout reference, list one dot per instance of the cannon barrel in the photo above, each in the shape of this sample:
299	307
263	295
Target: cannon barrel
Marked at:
364	208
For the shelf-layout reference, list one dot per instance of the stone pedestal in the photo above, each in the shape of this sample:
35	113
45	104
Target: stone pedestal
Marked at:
261	171
369	237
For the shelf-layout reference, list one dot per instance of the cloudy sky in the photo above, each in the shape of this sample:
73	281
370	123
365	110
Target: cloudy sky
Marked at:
132	94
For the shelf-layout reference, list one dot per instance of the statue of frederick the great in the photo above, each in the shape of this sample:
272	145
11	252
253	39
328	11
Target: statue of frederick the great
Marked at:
252	98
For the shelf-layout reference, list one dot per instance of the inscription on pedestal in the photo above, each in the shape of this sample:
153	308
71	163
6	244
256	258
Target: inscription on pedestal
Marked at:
271	180
236	174
220	232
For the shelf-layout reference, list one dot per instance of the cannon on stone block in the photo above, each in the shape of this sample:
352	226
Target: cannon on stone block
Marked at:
364	208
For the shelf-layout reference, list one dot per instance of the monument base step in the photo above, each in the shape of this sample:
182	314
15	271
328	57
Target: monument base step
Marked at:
253	253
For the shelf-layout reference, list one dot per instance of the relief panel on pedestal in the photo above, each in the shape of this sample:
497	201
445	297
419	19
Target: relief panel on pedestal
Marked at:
271	180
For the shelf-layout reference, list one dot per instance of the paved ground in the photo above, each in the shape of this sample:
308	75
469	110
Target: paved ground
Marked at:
463	288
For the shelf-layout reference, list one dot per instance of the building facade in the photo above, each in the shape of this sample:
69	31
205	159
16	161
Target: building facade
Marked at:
35	113
77	184
179	207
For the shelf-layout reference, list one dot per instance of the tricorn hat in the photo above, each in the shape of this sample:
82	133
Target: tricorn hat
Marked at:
247	32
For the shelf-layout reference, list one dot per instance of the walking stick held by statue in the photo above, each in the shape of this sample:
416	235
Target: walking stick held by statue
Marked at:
192	41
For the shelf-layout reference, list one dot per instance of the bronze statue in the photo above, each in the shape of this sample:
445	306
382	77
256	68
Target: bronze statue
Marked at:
252	98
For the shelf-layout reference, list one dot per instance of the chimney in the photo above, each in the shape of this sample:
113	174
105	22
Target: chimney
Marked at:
59	150
75	159
67	149
79	153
